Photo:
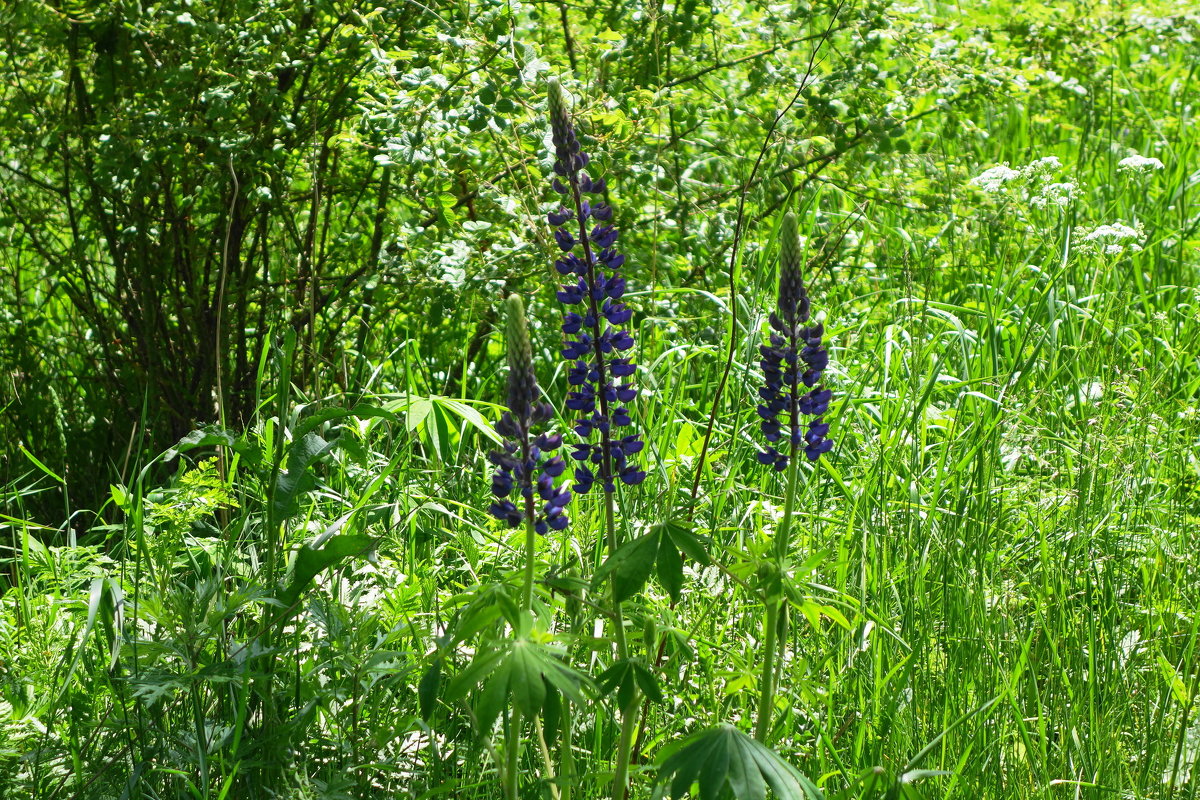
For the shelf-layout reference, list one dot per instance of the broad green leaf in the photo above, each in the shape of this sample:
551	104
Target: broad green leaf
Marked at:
427	689
362	411
630	566
525	679
723	758
482	665
1171	676
310	562
687	541
669	569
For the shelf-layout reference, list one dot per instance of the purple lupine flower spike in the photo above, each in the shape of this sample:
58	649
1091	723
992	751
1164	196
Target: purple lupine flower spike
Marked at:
792	366
521	463
597	342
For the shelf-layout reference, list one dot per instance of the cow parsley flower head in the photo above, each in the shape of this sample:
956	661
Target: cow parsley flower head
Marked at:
599	342
993	180
1112	239
1139	164
521	462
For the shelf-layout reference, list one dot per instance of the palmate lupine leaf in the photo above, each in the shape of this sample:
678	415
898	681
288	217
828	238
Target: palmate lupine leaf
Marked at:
523	669
723	761
661	551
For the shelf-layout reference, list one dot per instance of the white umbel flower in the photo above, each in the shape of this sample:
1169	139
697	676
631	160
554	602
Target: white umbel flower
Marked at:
1139	164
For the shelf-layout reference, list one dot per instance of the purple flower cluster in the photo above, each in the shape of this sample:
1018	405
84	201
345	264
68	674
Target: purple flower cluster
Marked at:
795	358
521	463
589	265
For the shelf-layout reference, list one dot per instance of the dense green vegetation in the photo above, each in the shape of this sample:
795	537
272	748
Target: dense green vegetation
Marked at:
254	262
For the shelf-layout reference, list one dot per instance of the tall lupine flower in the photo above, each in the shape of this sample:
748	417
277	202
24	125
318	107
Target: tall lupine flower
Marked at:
522	464
589	263
792	364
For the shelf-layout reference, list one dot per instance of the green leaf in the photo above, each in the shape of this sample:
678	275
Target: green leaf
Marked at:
297	480
427	689
687	541
551	716
215	436
525	680
723	758
647	681
319	418
310	562
492	699
620	678
482	665
630	566
669	569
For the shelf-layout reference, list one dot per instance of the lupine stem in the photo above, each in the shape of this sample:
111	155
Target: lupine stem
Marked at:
613	543
770	657
766	681
530	544
513	754
595	398
546	760
629	714
629	718
566	756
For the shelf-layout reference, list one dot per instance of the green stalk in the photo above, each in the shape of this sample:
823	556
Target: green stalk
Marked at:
610	527
629	724
512	754
784	534
770	656
566	757
766	681
530	552
629	714
547	762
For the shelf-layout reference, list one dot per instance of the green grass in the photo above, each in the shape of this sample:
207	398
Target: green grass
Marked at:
1002	549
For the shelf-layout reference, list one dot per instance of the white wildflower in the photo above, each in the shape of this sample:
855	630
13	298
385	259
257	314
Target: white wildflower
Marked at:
993	180
1055	194
1112	239
1042	166
1140	164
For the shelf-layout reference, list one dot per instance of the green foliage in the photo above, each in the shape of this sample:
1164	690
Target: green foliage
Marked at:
253	262
727	763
